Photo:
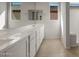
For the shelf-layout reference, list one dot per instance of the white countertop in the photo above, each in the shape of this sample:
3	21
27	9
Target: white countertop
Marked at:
9	37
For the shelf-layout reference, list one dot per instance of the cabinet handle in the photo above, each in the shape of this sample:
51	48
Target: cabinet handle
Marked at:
29	45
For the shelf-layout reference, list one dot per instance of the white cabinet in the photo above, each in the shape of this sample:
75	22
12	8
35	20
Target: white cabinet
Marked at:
2	54
39	36
18	49
37	40
32	45
27	46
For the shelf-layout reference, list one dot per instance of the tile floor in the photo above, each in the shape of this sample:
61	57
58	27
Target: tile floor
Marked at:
54	48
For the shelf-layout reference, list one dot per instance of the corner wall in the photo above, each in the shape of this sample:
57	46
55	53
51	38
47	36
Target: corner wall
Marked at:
74	22
65	24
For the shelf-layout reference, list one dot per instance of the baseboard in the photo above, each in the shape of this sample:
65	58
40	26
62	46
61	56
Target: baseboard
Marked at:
66	47
51	38
74	46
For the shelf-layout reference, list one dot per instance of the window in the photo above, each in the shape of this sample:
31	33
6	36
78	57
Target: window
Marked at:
54	11
15	3
15	10
74	4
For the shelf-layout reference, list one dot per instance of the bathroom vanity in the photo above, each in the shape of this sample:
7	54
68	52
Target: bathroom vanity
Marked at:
22	42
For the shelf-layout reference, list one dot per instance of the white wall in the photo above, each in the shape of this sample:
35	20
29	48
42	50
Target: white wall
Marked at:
3	13
23	21
13	23
74	21
65	24
51	26
52	29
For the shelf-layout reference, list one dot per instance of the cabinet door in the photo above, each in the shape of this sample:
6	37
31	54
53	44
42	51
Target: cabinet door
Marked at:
41	34
2	54
37	39
32	44
18	49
